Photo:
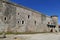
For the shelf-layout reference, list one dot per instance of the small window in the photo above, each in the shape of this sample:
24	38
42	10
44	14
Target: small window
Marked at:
48	22
18	13
5	18
22	22
18	21
35	22
28	16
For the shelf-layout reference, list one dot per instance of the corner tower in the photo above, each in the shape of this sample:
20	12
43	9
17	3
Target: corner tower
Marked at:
55	21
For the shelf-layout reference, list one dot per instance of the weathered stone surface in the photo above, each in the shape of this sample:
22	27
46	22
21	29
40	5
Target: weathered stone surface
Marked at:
16	18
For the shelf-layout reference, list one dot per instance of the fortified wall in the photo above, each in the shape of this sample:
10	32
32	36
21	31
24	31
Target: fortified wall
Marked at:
17	18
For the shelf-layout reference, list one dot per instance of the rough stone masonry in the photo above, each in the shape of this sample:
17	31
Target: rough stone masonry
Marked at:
17	18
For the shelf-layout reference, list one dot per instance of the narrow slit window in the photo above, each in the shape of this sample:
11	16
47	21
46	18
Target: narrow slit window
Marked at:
35	22
5	18
18	13
22	22
18	21
28	16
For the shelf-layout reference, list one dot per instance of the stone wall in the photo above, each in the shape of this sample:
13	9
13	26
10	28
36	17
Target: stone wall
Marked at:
33	22
20	19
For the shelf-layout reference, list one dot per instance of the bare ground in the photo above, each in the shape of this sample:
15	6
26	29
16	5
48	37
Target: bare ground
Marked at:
44	36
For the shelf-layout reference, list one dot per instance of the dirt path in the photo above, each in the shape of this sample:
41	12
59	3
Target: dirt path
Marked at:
46	36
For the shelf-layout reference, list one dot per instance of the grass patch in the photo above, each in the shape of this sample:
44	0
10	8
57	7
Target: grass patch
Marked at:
0	33
25	32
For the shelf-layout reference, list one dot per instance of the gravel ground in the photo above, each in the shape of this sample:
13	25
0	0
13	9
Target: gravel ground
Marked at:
44	36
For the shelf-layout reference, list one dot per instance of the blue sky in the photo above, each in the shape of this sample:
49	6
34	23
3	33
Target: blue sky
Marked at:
48	7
